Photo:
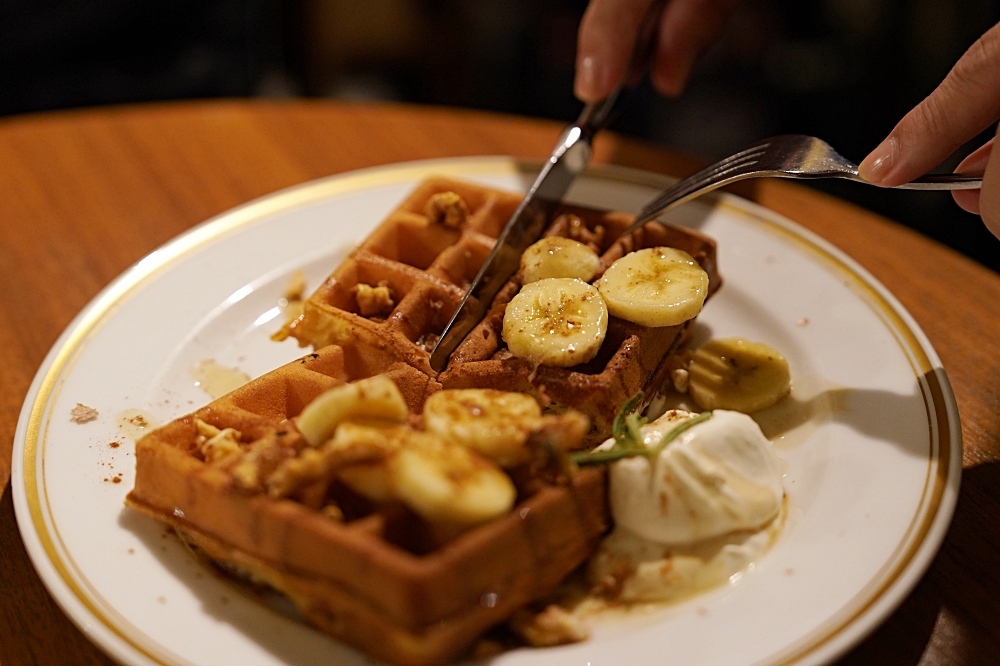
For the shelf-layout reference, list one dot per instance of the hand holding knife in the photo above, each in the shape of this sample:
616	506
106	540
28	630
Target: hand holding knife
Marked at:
526	225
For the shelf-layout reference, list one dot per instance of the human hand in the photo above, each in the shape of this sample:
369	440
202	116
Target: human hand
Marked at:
962	106
609	28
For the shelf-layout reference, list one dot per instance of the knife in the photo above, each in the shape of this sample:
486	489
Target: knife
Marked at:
568	159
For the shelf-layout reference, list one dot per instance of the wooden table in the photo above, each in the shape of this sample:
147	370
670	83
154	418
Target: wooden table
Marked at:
85	194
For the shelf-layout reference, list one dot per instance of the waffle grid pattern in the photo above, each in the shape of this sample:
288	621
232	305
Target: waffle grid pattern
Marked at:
382	579
428	267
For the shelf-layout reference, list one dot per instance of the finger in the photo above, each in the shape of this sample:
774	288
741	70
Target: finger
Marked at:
965	104
968	200
687	28
989	196
604	44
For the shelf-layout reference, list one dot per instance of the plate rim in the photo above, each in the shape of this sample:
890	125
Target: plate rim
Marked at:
898	576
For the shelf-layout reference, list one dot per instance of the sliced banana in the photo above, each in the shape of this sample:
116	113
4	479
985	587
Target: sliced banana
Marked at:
440	480
737	374
556	321
657	286
369	480
448	483
374	398
557	257
493	423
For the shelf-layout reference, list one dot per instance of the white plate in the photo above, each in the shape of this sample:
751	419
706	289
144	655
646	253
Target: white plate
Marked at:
871	487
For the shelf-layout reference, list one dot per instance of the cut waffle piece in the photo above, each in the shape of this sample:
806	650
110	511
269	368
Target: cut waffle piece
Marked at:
377	577
426	267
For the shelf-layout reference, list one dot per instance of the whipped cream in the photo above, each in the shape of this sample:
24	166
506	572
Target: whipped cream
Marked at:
720	476
693	516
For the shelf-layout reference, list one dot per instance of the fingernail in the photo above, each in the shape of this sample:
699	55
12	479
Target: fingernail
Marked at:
588	79
880	161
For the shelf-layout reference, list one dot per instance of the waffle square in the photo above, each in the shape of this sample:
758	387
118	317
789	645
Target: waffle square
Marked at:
380	579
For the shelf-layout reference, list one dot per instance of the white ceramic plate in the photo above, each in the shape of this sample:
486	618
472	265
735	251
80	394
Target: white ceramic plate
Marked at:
871	485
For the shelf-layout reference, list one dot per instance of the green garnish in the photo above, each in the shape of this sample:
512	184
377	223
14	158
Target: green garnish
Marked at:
619	427
677	431
628	438
632	424
606	456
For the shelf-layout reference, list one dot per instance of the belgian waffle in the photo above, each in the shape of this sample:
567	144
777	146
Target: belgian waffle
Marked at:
428	266
379	578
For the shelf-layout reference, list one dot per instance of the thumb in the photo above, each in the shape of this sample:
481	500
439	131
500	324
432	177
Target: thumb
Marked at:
966	103
968	200
989	197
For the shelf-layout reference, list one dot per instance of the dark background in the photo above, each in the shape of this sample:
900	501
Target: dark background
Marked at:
843	70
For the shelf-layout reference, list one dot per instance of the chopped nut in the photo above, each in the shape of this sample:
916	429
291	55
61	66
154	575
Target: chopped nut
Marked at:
572	226
373	301
681	380
205	430
82	414
447	208
549	442
553	626
318	464
259	462
216	445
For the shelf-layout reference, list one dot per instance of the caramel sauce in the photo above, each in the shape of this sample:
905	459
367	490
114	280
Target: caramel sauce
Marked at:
135	423
217	380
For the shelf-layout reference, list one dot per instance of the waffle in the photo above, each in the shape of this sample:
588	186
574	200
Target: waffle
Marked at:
380	578
427	266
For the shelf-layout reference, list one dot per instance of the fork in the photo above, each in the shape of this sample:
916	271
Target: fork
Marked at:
786	156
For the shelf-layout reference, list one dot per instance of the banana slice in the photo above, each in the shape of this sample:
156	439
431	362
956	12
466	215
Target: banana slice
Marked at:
374	398
493	423
370	480
657	286
446	482
737	374
439	479
556	321
557	257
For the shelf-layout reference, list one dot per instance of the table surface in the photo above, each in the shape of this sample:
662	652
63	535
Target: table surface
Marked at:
85	194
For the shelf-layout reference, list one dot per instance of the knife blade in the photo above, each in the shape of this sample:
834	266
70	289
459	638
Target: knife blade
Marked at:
568	159
526	225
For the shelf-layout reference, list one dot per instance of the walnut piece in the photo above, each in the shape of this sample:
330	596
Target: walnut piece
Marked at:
216	445
313	465
572	226
447	208
373	301
681	380
553	626
259	462
82	414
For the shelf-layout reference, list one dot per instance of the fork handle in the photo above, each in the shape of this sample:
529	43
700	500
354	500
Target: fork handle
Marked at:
675	196
944	181
932	181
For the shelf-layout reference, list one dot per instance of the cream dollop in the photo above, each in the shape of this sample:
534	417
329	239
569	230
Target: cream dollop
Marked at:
718	477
